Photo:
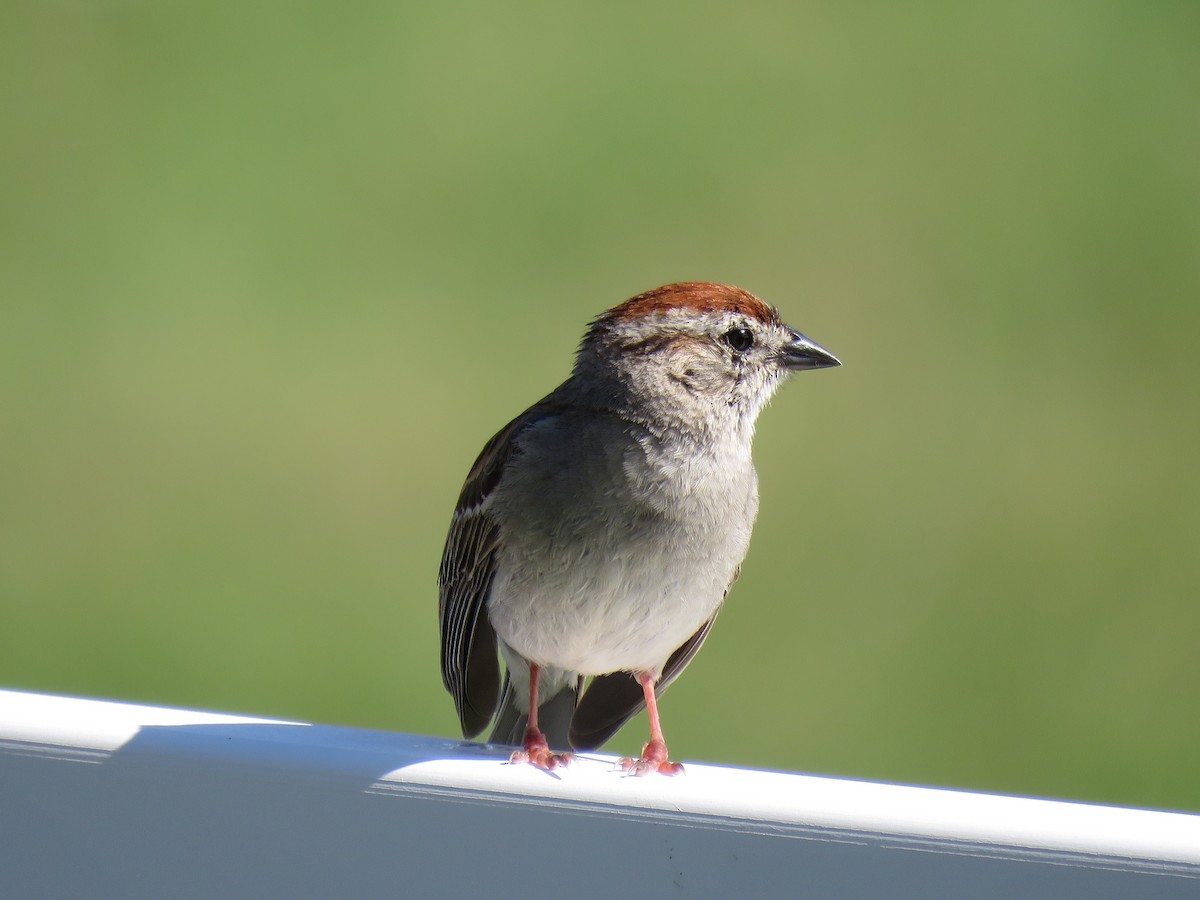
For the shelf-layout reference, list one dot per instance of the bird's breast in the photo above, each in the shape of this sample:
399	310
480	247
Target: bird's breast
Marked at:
612	562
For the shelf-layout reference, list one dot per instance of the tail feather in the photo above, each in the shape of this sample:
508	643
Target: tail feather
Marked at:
554	718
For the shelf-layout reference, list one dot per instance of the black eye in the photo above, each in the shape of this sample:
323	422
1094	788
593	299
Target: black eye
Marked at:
740	339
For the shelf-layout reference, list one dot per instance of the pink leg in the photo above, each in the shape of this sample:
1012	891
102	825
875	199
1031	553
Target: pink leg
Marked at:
535	750
654	754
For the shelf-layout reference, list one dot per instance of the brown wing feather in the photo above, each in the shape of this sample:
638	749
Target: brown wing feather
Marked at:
470	665
470	668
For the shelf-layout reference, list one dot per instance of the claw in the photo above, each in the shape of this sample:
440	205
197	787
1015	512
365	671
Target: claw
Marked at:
537	752
653	759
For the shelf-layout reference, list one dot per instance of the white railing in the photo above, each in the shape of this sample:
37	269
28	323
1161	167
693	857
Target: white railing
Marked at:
101	799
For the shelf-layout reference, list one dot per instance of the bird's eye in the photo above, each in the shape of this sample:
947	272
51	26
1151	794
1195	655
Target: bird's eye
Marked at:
740	339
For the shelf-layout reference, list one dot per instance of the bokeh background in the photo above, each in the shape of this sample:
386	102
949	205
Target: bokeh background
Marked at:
271	274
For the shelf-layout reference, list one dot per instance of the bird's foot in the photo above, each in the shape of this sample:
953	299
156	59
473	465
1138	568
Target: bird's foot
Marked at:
537	752
653	759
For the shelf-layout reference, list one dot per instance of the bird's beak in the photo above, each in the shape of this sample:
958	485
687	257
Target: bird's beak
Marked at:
802	353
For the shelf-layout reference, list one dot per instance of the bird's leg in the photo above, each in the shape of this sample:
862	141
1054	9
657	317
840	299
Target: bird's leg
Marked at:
535	750
654	754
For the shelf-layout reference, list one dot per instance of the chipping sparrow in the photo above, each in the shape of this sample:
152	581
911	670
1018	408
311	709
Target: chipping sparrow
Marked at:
598	533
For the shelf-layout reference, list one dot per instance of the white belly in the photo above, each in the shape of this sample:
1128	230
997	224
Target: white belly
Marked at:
605	610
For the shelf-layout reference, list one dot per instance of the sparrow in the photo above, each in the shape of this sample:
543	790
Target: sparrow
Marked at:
598	533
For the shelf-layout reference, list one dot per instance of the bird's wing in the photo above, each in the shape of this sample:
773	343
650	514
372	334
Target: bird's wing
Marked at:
470	666
612	700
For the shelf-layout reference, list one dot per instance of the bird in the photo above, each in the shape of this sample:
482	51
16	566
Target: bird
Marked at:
597	535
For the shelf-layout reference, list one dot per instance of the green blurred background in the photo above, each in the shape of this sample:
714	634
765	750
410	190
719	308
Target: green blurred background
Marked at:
271	274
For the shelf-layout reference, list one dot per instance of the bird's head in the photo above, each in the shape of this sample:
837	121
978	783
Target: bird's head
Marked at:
694	356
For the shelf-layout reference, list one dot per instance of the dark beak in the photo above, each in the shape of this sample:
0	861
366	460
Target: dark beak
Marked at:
802	353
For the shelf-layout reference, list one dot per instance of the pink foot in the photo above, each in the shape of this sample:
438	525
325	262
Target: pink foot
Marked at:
654	759
537	752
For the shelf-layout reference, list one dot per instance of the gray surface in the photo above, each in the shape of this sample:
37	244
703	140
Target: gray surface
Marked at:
264	810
